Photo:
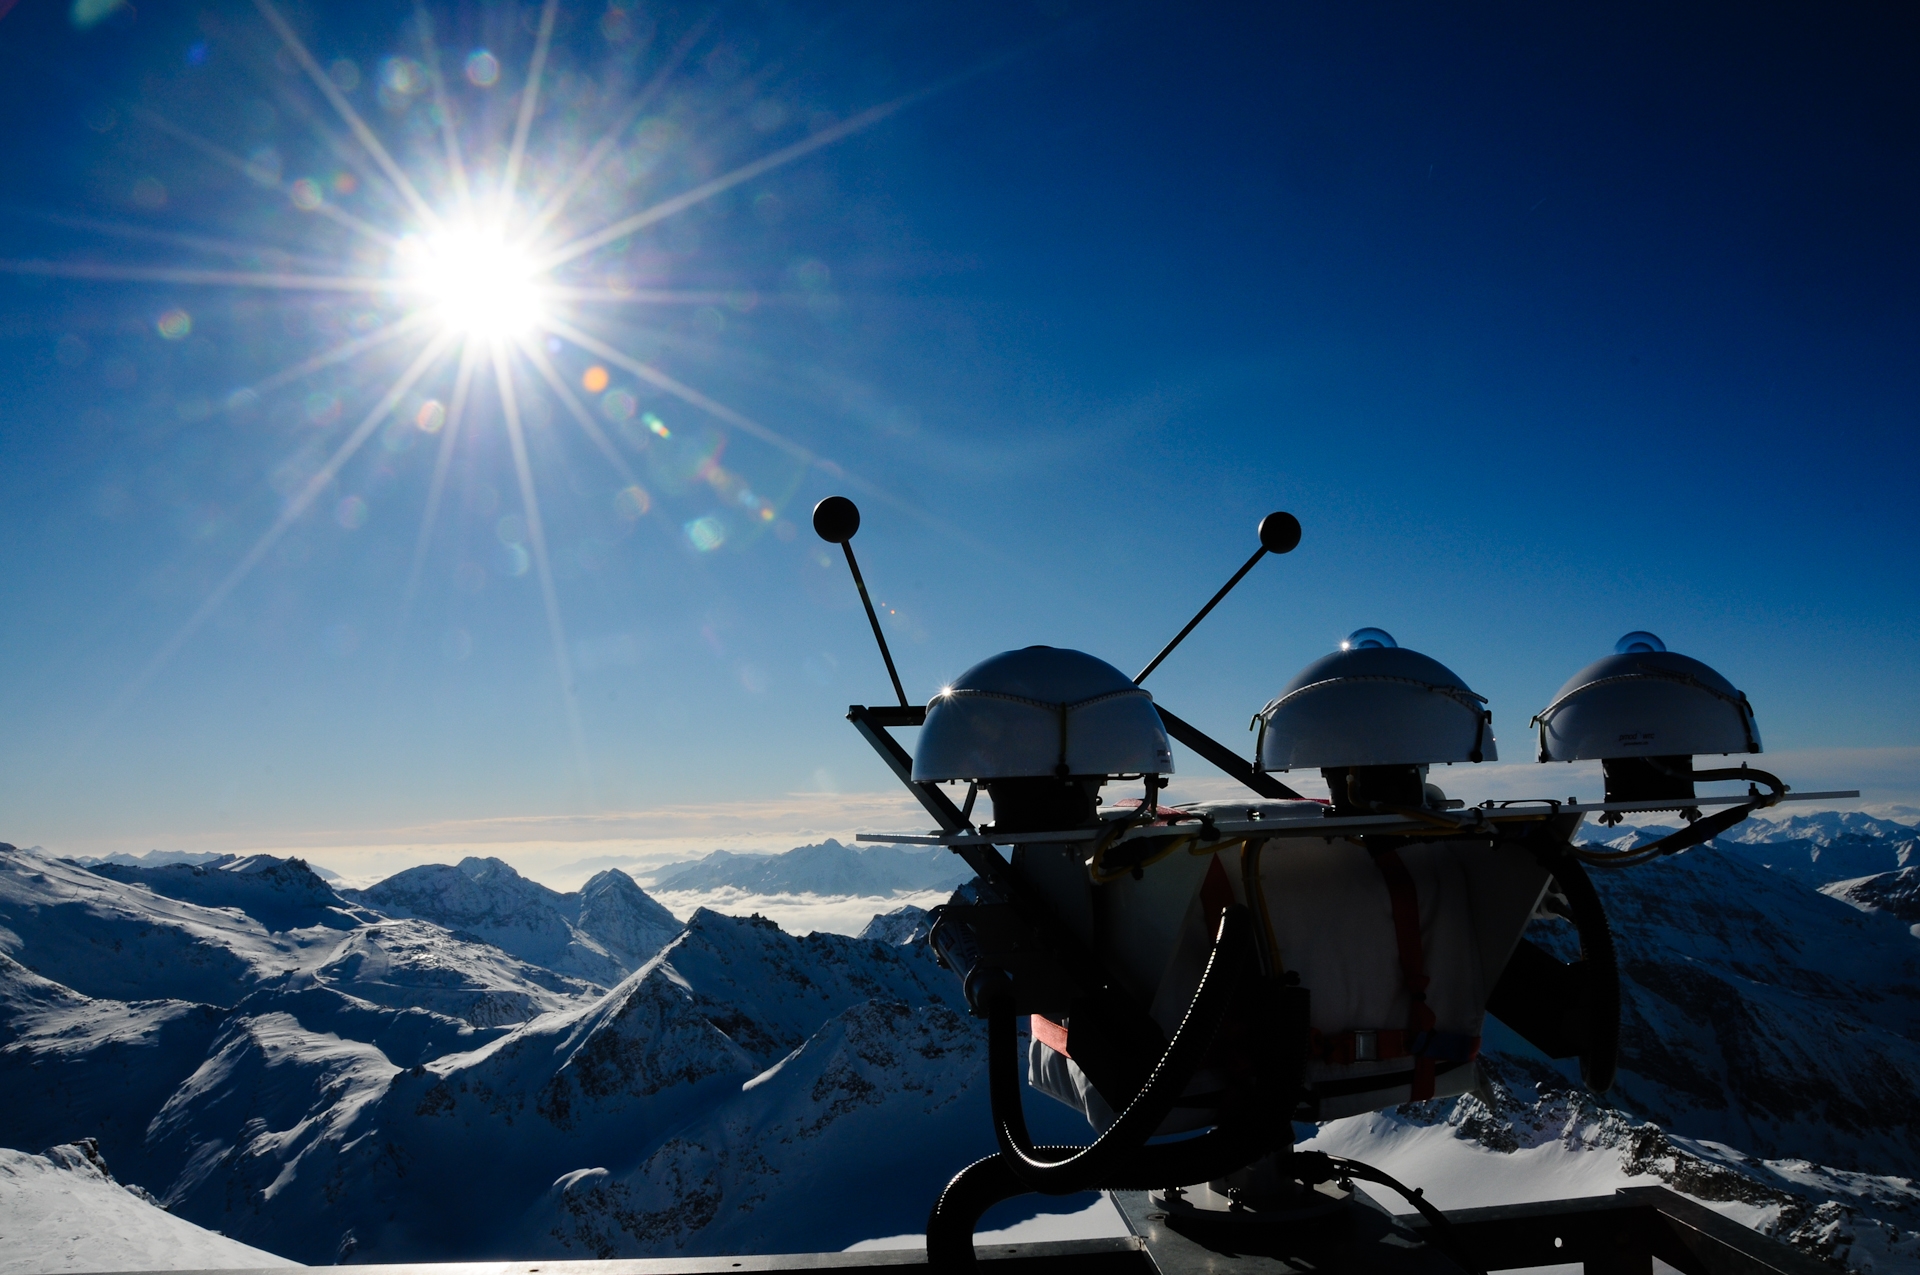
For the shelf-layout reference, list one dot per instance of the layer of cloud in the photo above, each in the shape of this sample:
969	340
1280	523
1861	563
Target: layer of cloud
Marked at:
562	850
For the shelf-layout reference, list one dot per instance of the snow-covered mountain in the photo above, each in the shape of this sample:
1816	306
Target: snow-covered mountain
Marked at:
827	868
376	1076
1759	1012
602	932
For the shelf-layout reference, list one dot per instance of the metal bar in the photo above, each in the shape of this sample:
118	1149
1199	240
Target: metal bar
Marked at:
1118	1255
1702	1242
874	619
1621	1232
1212	602
1530	812
872	726
1604	1233
1224	758
980	854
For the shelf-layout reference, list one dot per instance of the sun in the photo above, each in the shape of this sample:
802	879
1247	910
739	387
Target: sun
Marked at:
477	282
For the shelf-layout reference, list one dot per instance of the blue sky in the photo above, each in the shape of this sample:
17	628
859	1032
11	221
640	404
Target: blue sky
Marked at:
1547	325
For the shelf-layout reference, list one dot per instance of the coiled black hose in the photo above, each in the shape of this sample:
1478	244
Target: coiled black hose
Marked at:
1120	1158
1230	962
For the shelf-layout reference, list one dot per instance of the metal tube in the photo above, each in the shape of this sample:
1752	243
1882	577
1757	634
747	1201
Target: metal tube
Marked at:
1212	602
874	620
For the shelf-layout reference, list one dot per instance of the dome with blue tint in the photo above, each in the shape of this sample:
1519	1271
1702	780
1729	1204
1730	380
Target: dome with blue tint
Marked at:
1368	640
1638	642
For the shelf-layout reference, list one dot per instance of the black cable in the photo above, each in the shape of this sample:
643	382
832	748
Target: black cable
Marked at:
1094	1164
1600	1050
1700	830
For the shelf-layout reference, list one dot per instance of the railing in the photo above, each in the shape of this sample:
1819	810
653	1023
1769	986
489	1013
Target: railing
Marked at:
1618	1234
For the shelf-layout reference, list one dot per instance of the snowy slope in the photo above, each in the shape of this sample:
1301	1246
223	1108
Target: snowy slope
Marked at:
62	1211
1896	893
281	894
902	925
838	1119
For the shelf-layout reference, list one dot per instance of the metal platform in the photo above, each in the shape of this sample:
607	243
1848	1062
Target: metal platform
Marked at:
1618	1234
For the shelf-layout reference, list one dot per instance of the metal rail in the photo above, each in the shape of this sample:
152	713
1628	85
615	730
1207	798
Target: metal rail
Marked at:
1438	822
1618	1234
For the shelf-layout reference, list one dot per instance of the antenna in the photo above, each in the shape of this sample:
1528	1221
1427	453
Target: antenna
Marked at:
836	518
1279	533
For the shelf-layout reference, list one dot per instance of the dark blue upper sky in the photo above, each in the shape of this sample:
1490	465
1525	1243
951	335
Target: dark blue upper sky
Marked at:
1548	324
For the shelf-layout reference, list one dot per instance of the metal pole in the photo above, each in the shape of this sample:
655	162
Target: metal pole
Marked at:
873	618
1279	533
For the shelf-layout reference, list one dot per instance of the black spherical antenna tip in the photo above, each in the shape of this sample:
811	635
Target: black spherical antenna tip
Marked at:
1279	532
836	518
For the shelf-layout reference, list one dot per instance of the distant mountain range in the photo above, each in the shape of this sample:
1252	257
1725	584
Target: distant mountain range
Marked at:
828	868
461	1064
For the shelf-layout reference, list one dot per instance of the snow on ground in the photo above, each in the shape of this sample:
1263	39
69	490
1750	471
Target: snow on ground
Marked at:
799	913
1097	1221
63	1211
1460	1174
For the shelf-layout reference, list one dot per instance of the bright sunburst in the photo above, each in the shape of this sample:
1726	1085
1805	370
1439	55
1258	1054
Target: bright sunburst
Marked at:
476	281
470	290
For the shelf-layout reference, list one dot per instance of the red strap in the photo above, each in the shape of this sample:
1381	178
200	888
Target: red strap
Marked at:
1345	1048
1413	958
1050	1034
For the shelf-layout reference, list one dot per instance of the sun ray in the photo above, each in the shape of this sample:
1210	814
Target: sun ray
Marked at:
537	540
726	181
197	243
342	352
651	296
271	536
436	487
212	278
538	357
685	393
215	151
767	163
590	164
345	110
529	100
456	165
